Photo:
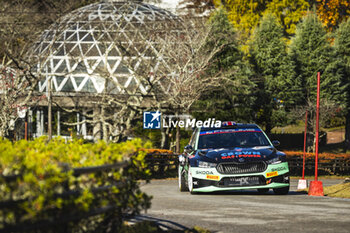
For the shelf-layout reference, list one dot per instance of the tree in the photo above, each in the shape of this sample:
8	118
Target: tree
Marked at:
342	47
162	65
19	29
332	13
22	25
312	53
288	13
196	6
328	110
16	93
232	101
190	50
245	15
274	70
23	21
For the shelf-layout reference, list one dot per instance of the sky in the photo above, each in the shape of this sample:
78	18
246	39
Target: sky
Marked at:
168	4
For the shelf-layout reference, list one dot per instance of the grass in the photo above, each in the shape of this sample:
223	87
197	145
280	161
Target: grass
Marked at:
339	128
299	127
296	128
338	190
335	148
319	177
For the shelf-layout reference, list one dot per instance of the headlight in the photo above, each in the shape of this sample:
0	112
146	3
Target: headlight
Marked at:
181	159
276	160
203	164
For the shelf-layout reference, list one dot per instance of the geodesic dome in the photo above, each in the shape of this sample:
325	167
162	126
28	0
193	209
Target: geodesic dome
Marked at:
89	44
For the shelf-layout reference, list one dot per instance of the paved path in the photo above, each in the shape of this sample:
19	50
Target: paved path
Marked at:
248	211
335	136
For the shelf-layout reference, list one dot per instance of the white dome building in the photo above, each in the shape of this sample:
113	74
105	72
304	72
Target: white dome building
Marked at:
83	55
87	45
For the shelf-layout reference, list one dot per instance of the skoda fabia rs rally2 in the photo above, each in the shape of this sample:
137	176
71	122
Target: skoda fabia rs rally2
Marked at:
232	157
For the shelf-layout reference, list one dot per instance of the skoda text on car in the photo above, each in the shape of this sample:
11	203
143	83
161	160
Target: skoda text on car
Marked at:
232	157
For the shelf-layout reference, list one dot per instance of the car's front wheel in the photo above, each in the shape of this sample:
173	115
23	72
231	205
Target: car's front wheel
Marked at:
281	191
190	181
182	181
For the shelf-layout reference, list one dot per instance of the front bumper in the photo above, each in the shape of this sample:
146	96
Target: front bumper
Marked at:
209	179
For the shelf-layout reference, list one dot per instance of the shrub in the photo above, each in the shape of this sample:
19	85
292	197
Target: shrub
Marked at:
39	180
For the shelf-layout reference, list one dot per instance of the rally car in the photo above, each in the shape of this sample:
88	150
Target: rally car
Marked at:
232	157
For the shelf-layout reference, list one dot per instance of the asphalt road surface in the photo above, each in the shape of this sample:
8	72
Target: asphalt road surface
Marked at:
247	211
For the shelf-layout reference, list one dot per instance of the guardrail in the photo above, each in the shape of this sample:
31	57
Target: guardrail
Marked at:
62	219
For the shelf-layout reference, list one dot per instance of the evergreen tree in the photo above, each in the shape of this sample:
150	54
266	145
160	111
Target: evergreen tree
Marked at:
232	101
274	72
312	53
342	47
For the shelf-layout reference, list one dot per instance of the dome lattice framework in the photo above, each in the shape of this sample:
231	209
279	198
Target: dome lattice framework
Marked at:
89	44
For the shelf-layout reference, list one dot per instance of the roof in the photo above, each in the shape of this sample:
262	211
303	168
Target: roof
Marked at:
237	126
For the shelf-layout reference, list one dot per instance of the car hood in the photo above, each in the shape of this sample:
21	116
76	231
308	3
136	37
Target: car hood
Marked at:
239	155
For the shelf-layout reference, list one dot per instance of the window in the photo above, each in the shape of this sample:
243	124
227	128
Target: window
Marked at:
229	139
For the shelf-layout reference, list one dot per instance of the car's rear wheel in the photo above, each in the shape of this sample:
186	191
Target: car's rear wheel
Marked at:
281	191
182	181
263	190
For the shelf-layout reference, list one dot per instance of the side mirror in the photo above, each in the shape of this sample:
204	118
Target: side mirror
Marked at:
276	143
188	148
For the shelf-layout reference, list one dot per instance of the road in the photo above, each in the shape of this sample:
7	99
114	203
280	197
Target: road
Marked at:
247	211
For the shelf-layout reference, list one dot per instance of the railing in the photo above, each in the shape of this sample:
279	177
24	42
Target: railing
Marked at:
162	165
334	166
165	165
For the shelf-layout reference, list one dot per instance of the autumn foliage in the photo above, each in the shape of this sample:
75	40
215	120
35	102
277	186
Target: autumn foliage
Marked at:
333	12
158	151
245	15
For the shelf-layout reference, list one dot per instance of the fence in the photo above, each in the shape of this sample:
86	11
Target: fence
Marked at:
331	166
165	165
162	165
296	140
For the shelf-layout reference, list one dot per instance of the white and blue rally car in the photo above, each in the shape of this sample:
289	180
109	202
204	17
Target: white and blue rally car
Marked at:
232	157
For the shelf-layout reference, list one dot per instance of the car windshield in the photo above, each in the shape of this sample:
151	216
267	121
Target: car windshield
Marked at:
230	138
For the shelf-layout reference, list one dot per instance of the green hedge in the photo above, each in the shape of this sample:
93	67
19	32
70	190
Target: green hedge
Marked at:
44	187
